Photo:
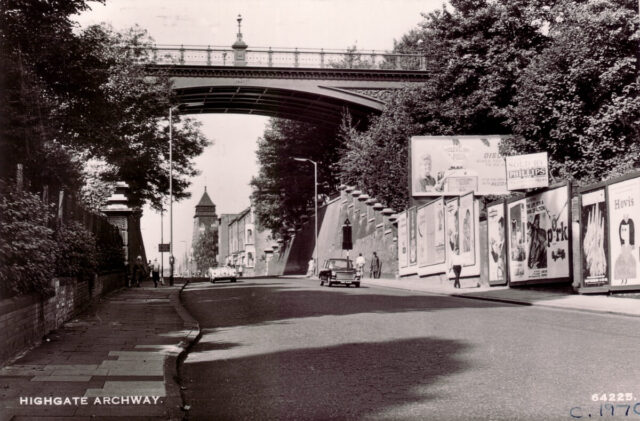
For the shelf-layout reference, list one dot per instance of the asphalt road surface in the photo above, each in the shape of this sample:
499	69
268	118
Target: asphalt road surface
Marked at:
288	349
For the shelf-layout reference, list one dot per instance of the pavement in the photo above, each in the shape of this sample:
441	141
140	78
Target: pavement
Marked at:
119	359
545	297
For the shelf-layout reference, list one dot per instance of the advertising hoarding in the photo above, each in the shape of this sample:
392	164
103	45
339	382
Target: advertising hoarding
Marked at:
436	235
527	171
422	227
413	244
403	247
467	229
624	215
594	241
452	226
454	165
496	234
539	236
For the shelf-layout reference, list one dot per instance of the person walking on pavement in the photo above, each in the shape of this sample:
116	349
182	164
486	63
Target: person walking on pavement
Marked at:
455	264
311	270
155	272
375	266
138	271
240	271
360	262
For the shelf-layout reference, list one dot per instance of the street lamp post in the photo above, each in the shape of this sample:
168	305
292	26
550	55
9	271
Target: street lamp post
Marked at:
315	199
171	258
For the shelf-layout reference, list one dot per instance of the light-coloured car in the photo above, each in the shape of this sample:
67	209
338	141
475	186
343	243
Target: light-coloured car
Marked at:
222	273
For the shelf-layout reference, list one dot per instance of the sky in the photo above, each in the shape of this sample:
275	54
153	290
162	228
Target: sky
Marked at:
229	163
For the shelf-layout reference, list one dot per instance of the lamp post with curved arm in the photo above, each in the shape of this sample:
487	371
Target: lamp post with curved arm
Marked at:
171	258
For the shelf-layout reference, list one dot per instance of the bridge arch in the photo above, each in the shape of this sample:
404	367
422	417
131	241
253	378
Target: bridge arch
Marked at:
315	95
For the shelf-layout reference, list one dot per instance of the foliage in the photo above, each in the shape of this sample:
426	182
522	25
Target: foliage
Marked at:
76	253
71	95
476	51
283	189
205	251
561	75
110	256
578	100
27	245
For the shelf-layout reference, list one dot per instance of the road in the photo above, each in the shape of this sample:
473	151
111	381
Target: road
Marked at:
289	349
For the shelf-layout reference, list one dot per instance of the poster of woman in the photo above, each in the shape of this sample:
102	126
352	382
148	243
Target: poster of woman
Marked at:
496	237
624	211
435	233
467	229
452	227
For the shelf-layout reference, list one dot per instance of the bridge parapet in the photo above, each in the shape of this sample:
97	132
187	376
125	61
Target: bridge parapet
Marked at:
287	57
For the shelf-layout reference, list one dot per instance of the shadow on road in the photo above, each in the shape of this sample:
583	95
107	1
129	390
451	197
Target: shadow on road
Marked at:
256	303
348	381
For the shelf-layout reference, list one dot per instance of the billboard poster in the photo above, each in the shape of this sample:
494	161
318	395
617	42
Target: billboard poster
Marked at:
517	239
452	224
497	242
423	226
527	171
454	165
435	232
403	251
594	239
624	215
467	230
413	244
539	236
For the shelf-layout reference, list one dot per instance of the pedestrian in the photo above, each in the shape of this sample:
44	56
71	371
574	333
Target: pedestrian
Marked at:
240	271
155	272
375	266
311	269
360	262
138	271
455	265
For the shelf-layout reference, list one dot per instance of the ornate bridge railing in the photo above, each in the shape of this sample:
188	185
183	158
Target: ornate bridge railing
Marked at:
287	57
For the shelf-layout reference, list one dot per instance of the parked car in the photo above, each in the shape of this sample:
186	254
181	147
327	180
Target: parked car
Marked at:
339	271
222	273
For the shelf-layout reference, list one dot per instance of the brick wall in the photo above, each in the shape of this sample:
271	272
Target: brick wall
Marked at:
24	320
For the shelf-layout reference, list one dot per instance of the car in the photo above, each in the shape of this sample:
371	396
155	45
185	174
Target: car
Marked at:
222	273
339	271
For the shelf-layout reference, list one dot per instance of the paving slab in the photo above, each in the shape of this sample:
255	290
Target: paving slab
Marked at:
126	344
521	296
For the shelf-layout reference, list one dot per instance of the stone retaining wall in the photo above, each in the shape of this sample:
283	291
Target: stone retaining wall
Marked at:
25	320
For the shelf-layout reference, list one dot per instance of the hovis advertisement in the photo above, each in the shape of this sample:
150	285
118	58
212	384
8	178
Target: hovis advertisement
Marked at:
624	215
539	236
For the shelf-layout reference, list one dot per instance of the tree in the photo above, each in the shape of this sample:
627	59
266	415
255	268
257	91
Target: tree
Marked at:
70	95
477	52
578	100
283	189
205	251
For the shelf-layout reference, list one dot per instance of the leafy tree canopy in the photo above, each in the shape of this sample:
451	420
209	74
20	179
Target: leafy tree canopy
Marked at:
283	189
561	75
84	94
